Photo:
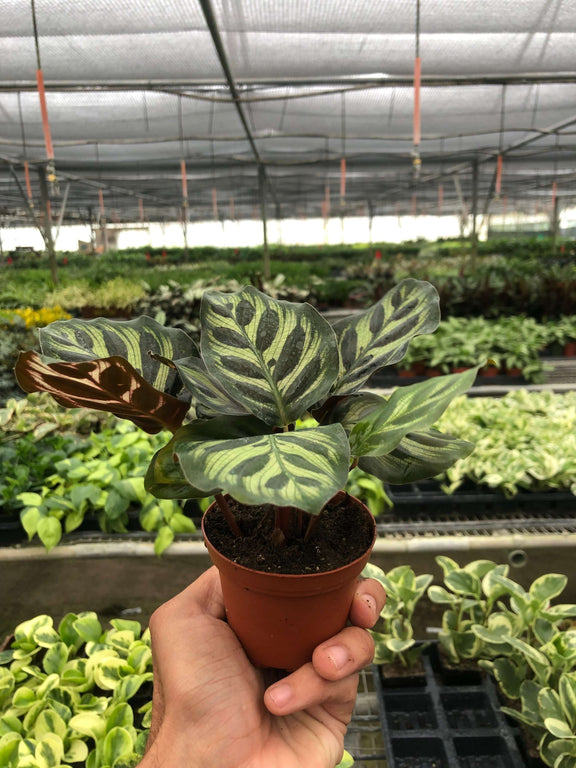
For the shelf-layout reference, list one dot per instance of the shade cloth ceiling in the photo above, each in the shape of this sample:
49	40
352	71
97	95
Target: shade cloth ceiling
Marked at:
270	95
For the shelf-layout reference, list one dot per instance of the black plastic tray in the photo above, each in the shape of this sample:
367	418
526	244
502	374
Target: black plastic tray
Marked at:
426	496
446	724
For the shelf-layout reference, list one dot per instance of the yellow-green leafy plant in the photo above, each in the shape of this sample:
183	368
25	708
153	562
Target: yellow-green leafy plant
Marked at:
68	693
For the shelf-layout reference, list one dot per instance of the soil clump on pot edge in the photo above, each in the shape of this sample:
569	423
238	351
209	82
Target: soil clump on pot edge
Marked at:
342	534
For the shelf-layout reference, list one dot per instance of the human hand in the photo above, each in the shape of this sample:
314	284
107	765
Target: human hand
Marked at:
212	709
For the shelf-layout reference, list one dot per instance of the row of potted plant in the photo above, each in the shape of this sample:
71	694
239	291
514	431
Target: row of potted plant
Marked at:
513	345
517	635
76	465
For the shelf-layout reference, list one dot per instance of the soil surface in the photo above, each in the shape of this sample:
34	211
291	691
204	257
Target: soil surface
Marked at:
341	534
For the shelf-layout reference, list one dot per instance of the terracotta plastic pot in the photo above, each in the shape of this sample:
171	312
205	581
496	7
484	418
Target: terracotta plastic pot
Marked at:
281	618
570	349
489	370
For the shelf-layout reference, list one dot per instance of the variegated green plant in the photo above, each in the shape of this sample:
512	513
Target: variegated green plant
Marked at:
262	364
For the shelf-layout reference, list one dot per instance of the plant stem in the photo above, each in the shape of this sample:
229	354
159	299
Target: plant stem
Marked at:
228	515
311	525
282	519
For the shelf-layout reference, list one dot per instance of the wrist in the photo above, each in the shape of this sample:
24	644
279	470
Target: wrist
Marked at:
169	751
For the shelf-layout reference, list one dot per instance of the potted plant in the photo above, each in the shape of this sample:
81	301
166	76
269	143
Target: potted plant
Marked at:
263	364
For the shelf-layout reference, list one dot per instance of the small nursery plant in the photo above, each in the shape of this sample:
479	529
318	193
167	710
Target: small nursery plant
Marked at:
232	405
394	640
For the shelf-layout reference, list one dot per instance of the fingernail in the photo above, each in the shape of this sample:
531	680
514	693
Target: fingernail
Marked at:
281	694
338	656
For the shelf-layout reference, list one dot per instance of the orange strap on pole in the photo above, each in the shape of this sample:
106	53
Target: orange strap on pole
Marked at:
343	178
553	193
440	198
232	209
101	198
215	202
27	177
184	182
417	77
498	186
44	111
49	210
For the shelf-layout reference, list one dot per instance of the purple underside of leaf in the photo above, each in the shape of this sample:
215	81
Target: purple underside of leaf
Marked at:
109	384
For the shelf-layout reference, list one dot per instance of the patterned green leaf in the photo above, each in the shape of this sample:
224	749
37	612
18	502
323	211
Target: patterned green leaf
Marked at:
277	358
350	409
49	751
409	409
165	480
380	336
110	384
164	477
134	340
419	455
301	469
205	390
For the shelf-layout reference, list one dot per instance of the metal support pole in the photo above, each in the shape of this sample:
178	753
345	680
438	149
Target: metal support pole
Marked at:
262	191
555	223
62	212
24	196
370	222
45	202
185	228
474	233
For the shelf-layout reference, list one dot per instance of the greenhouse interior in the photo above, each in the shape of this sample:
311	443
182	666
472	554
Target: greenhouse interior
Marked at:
288	300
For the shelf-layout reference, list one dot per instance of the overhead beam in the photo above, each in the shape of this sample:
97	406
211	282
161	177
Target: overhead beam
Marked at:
360	81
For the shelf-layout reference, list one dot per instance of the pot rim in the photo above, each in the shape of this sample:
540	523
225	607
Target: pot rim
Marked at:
298	576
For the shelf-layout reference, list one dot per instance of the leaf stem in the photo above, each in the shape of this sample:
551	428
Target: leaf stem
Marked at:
282	519
228	514
311	525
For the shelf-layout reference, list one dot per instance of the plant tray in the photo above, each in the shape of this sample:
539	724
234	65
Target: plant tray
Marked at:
445	723
478	501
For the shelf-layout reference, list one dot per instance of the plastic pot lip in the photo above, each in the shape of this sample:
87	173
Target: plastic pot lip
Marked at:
295	576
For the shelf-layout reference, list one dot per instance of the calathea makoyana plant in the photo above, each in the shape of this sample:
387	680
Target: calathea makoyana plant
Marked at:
232	404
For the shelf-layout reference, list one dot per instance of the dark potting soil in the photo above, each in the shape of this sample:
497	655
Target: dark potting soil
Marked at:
342	534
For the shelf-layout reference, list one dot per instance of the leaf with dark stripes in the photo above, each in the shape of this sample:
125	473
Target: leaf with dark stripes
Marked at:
110	384
205	389
380	336
276	358
350	409
302	469
134	340
418	456
408	409
165	478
